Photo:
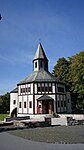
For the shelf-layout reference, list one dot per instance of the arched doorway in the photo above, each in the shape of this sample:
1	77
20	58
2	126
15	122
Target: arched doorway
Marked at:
14	113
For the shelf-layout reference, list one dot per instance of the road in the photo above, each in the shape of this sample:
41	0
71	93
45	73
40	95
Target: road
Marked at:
11	142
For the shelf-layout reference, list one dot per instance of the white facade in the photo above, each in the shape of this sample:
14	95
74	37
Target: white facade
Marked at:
13	101
41	92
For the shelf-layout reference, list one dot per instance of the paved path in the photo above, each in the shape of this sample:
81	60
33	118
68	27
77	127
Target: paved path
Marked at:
10	142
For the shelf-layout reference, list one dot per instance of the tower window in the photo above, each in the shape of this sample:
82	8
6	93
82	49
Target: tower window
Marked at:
35	64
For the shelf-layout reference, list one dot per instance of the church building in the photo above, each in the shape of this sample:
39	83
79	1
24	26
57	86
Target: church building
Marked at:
40	92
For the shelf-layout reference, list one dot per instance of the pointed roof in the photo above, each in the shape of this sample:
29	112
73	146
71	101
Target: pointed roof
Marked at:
40	53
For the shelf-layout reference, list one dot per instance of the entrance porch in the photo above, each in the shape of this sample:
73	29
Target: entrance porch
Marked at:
45	105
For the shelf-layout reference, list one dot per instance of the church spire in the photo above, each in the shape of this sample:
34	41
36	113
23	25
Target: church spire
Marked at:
40	60
40	53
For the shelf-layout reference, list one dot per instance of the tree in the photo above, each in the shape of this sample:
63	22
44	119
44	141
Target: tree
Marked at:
5	103
72	72
61	69
1	104
75	76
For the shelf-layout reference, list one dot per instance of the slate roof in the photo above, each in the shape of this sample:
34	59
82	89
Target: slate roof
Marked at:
40	76
14	91
40	53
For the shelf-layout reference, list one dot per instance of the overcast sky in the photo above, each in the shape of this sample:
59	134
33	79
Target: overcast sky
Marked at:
57	24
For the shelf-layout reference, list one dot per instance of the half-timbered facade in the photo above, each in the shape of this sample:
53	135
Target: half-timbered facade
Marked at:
40	92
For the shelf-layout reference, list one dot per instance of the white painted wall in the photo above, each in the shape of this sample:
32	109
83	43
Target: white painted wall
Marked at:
74	116
53	87
27	99
19	110
31	88
13	96
59	121
24	100
30	98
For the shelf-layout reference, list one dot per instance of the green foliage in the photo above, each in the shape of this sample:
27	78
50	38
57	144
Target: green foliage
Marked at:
72	72
55	115
2	116
61	68
76	73
4	103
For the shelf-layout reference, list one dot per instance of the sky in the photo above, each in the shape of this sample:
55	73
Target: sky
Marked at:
57	24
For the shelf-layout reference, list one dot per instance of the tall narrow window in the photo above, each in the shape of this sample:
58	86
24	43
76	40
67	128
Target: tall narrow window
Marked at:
46	89
58	103
24	104
20	104
30	104
50	89
68	100
64	103
38	87
14	102
61	103
35	64
28	89
42	89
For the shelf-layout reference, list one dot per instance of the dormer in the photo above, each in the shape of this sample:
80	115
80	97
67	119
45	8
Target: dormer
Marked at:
40	60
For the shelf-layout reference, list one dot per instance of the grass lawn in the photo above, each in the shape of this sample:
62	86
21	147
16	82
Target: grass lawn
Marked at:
2	116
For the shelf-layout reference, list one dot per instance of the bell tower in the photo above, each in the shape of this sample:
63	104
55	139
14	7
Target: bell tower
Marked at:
40	60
